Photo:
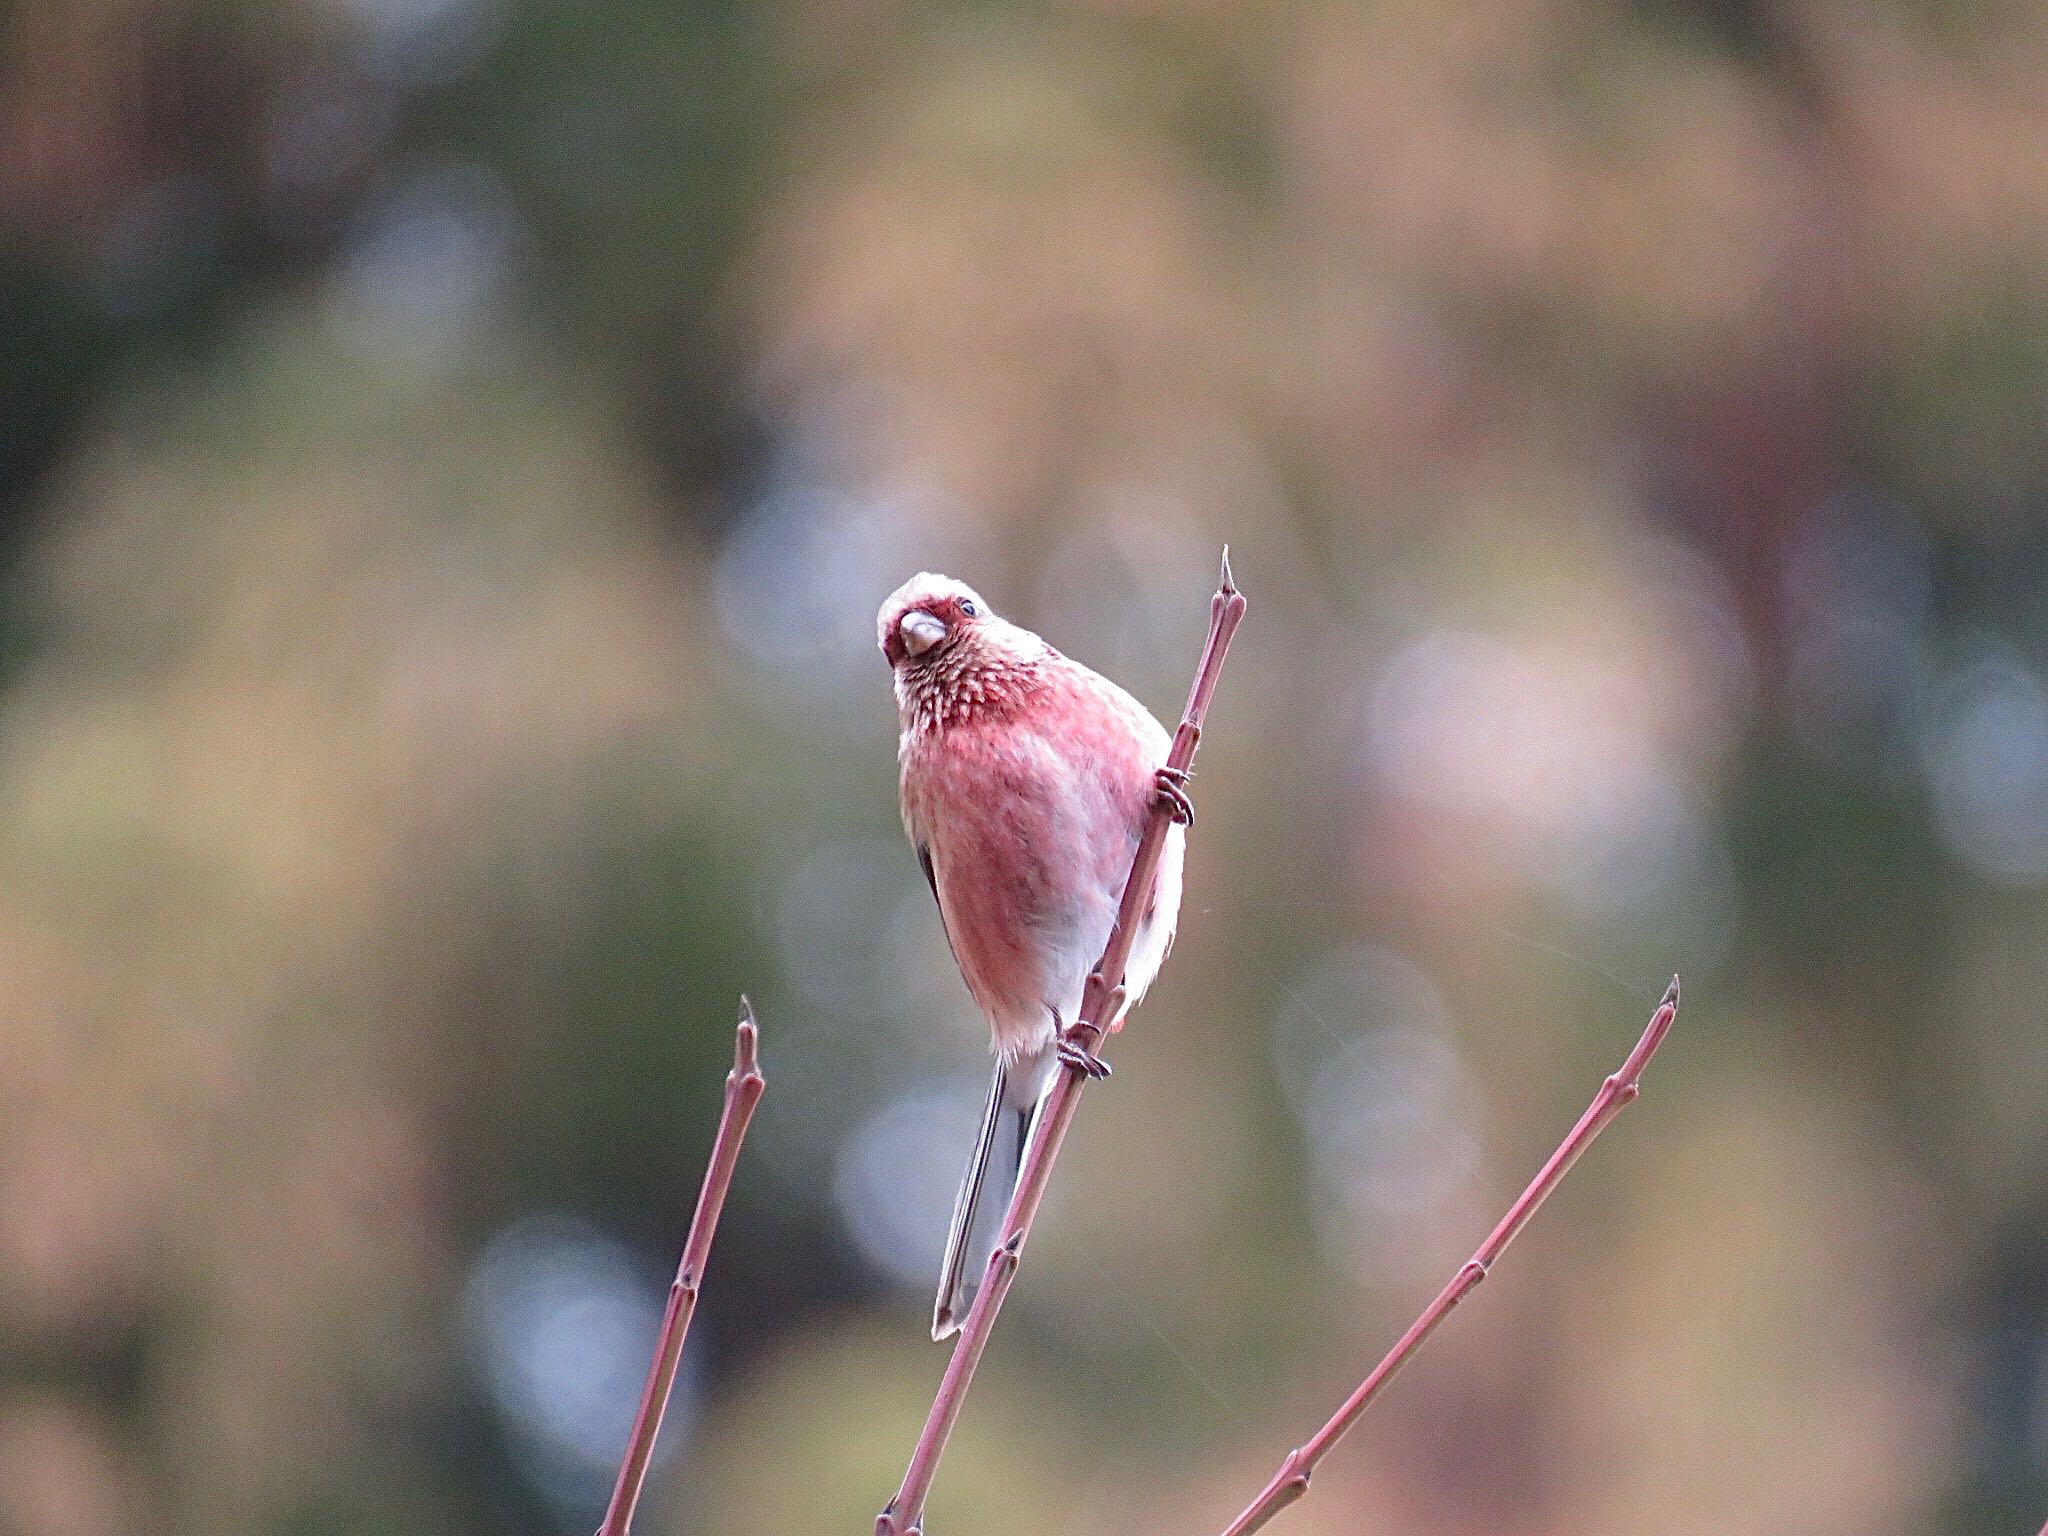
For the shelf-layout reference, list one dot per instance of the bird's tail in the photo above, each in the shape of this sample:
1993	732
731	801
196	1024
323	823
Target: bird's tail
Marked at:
1014	1099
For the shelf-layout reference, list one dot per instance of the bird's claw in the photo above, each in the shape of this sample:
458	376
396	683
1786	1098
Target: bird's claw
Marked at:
1169	789
1073	1054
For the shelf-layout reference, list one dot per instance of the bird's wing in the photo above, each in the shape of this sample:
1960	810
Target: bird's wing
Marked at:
924	862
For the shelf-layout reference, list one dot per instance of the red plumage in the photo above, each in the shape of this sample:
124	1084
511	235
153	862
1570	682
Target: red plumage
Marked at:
1027	779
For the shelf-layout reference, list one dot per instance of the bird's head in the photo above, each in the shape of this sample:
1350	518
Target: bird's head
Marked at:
928	617
953	659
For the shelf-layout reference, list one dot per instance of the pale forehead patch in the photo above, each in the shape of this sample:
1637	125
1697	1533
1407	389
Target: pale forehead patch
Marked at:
921	591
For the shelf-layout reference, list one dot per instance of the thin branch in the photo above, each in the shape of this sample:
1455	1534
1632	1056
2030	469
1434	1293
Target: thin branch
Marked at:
904	1514
1615	1095
743	1085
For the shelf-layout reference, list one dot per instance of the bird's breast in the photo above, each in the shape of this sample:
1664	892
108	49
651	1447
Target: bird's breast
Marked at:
1030	833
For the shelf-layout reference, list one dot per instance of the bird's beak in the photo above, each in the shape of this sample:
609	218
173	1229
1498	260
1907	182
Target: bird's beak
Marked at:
921	631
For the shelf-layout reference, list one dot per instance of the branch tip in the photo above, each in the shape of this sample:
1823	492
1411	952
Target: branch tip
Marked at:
743	1089
1227	585
746	1048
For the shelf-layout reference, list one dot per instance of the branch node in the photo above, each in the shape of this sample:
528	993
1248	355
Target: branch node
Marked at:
1004	1262
1296	1471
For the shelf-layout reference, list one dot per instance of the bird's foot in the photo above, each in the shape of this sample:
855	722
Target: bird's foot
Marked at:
1074	1054
1169	789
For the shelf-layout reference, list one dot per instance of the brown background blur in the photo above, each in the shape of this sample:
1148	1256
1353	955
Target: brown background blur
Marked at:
451	452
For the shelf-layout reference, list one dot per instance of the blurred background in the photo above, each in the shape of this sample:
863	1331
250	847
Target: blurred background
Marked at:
451	452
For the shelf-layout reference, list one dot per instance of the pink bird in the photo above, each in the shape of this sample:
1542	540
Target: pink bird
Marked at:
1027	782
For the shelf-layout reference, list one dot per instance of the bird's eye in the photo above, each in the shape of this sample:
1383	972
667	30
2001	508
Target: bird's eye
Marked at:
969	609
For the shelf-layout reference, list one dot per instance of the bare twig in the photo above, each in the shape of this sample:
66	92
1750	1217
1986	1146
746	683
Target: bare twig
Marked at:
904	1514
1615	1095
743	1087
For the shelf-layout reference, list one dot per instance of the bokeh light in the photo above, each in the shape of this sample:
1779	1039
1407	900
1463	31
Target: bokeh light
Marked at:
560	1325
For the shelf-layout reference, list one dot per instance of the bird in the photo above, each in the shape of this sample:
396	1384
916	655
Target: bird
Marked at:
1027	780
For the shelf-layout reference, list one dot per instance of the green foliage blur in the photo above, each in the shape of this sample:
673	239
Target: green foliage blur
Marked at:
451	452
